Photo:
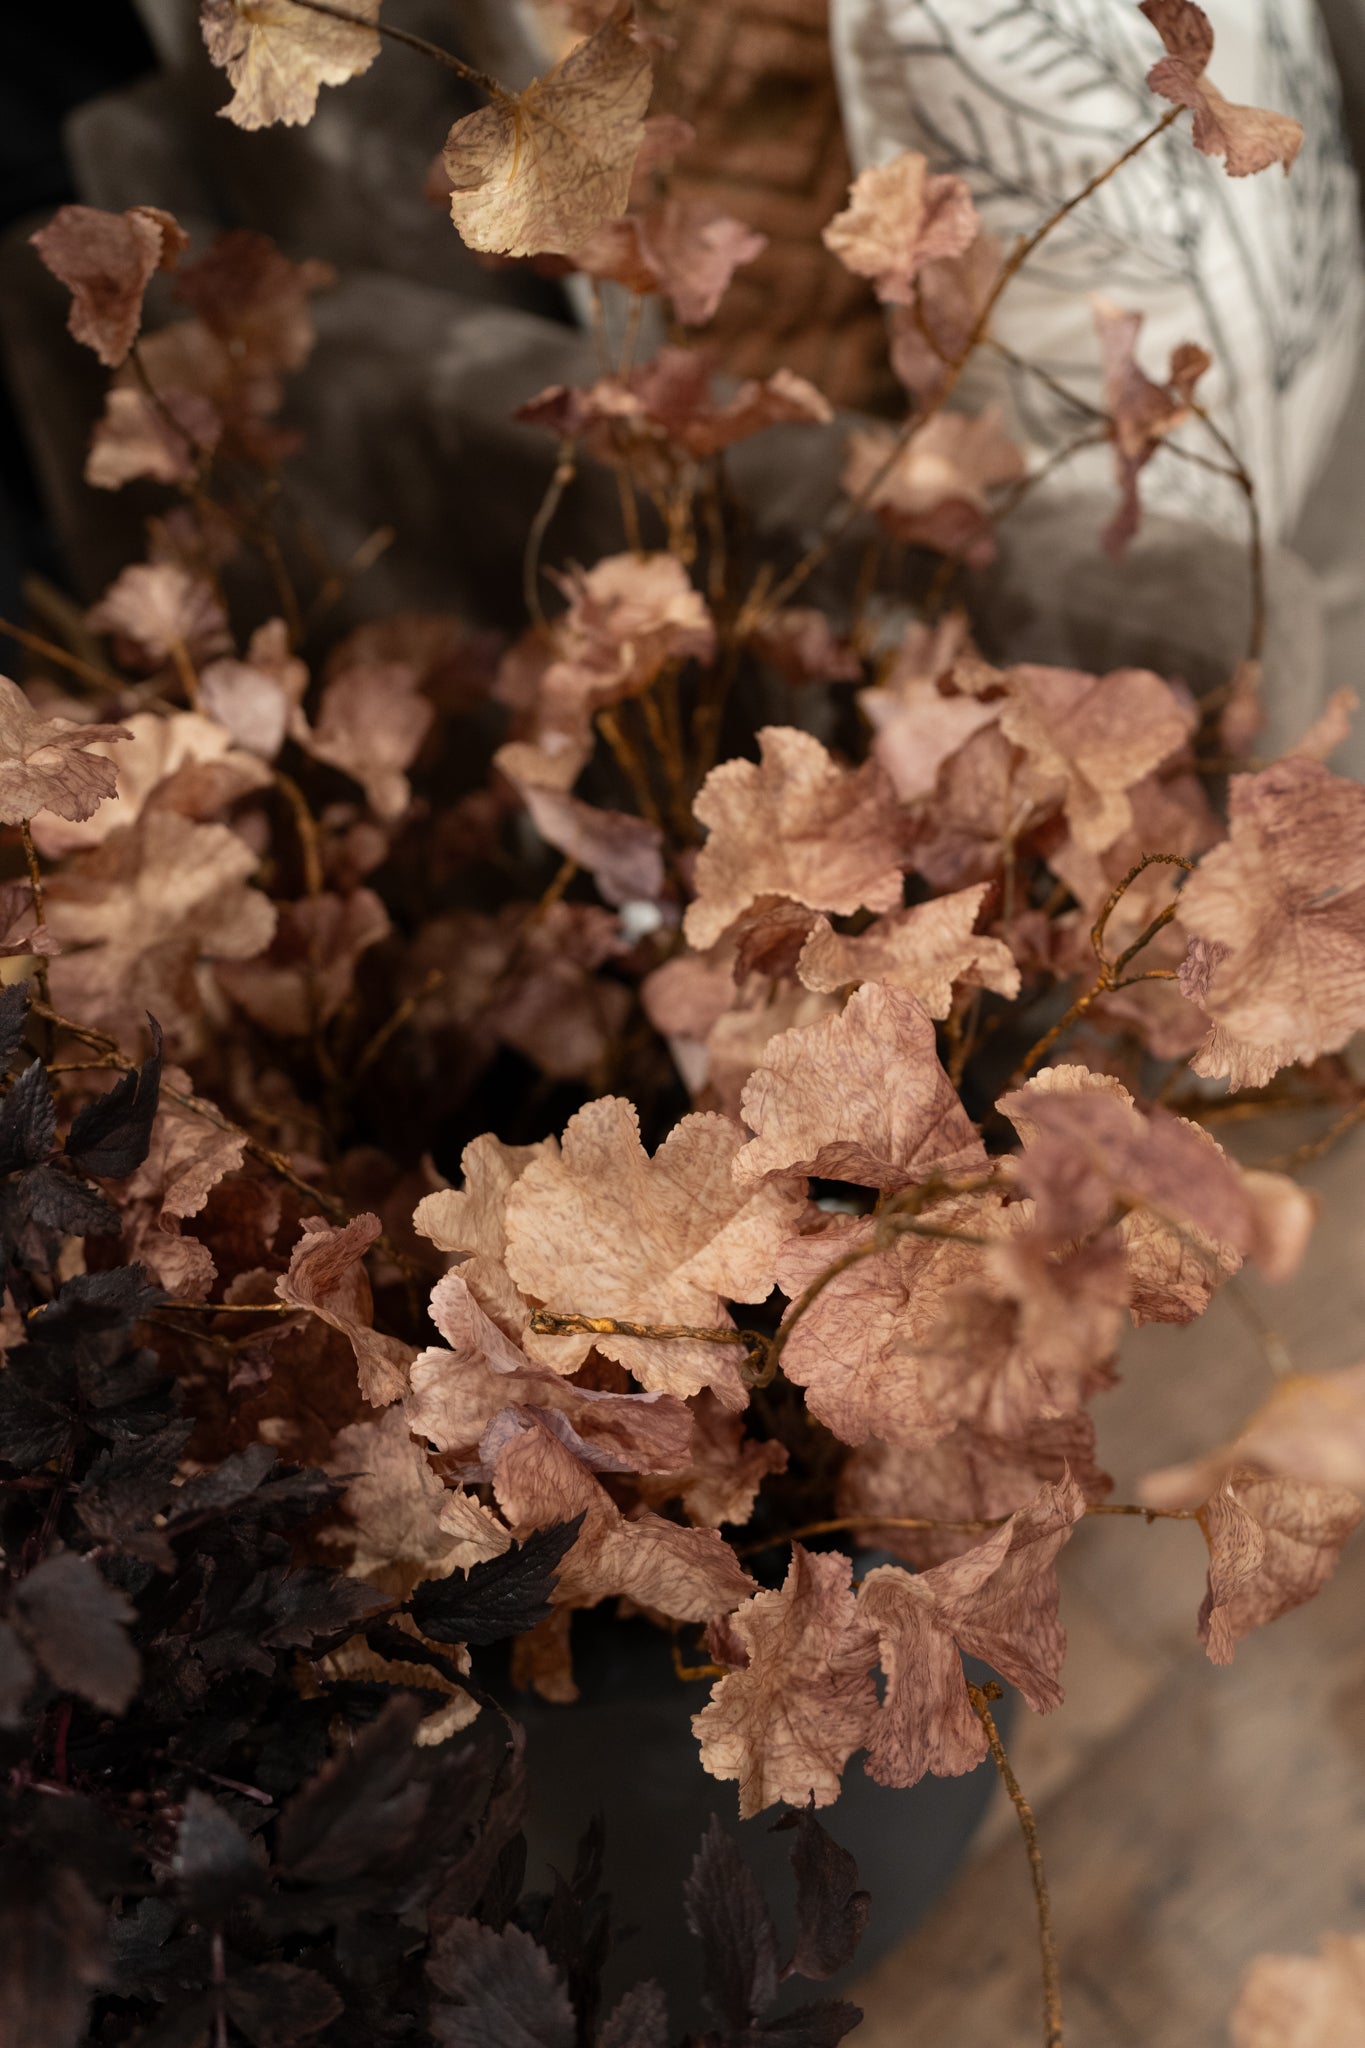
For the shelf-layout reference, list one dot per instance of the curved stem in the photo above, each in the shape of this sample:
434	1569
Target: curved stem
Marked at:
981	1698
423	48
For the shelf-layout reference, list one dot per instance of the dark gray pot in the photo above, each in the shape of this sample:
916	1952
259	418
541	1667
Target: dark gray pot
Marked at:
626	1750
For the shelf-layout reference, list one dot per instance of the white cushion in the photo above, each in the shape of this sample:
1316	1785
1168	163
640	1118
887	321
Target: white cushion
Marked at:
1029	98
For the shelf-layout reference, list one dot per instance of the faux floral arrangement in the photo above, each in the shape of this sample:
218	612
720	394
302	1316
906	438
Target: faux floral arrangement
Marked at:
953	992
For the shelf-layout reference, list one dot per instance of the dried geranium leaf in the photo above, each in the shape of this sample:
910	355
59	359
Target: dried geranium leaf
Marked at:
787	1721
542	170
690	1574
1141	413
1304	2001
46	763
393	1506
728	1914
28	1121
1090	738
860	1097
107	261
831	1910
136	914
966	1476
997	1602
503	1596
605	1231
793	824
900	217
927	949
76	1625
158	607
277	54
327	1275
1277	922
1247	138
935	490
371	722
1273	1543
854	1349
695	253
112	1135
13	1019
491	1986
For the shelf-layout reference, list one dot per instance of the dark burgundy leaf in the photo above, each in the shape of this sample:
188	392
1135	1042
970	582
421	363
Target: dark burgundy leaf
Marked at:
498	1990
76	1626
727	1913
112	1135
28	1121
37	1400
13	1018
93	1307
306	1605
52	1195
639	2021
17	1674
278	2004
505	1596
53	1954
214	1861
831	1912
362	1805
130	1483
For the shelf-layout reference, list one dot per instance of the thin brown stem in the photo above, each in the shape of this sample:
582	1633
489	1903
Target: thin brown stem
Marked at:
102	678
981	1699
548	1323
1110	976
188	674
1314	1148
841	1525
423	48
402	1014
564	473
631	763
233	1308
35	883
1255	538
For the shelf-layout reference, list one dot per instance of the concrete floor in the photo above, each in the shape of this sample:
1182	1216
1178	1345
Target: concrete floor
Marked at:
1190	1817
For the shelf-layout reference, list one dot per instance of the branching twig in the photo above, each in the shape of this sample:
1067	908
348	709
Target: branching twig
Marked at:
981	1699
1110	976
